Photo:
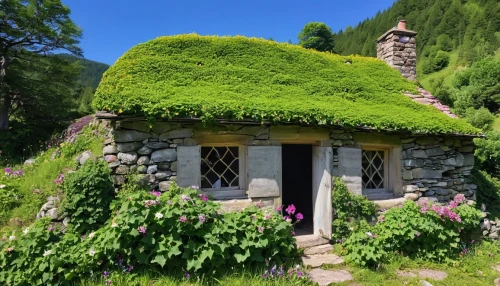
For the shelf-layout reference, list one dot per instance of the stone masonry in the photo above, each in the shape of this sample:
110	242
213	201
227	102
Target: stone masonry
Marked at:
438	168
397	47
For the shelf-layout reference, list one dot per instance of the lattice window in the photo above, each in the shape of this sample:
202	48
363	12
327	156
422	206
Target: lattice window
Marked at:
373	169
220	167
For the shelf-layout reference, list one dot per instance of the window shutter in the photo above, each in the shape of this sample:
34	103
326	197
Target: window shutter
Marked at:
264	171
188	166
350	168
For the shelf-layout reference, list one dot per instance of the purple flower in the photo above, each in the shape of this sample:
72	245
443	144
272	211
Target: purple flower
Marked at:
130	268
183	219
7	171
299	273
108	282
260	229
203	197
185	198
106	274
417	233
287	218
202	218
291	209
142	229
51	228
187	275
155	193
195	187
265	274
299	216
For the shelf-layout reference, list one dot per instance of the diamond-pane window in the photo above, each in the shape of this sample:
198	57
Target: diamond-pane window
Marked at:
373	169
219	167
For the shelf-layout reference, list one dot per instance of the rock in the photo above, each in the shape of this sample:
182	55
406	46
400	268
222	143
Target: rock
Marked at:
401	273
426	141
432	274
434	152
143	160
407	140
53	199
113	164
410	188
152	169
493	235
459	159
467	149
142	169
341	136
47	206
450	162
445	148
129	158
173	166
471	186
320	259
66	221
174	134
82	158
52	213
327	277
469	160
165	186
178	141
144	150
192	142
30	161
411	196
496	267
420	173
485	224
142	126
110	158
429	199
130	136
407	175
164	166
425	283
419	154
118	179
109	150
440	184
413	163
165	155
163	175
497	282
157	145
133	169
122	170
441	192
319	249
127	147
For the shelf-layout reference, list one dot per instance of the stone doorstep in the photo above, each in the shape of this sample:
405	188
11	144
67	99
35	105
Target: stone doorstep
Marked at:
319	249
326	277
321	259
308	241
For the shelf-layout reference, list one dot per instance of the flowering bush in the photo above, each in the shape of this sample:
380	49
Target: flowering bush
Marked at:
180	230
348	210
89	192
425	230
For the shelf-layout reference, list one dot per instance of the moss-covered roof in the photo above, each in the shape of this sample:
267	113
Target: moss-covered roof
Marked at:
239	78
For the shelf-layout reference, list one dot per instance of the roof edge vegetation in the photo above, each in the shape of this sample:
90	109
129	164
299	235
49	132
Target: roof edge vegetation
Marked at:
249	79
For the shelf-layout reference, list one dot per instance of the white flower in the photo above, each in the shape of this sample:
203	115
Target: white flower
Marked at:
369	234
47	252
12	237
91	252
92	234
159	215
2	186
114	224
25	231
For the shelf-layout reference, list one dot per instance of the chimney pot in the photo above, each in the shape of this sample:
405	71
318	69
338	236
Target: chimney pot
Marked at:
402	25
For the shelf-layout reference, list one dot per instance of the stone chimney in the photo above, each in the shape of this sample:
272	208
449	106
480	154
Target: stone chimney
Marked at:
397	48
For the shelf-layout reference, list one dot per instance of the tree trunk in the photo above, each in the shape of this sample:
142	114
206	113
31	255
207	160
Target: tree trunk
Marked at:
4	116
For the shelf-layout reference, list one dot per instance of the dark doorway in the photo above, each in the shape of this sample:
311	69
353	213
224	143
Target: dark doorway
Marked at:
297	183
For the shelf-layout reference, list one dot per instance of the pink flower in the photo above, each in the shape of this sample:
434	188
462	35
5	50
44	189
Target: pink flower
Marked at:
155	193
299	216
287	218
51	228
267	217
142	229
185	198
202	218
459	198
279	208
203	197
169	202
259	204
260	229
453	204
183	219
291	209
417	233
195	187
424	209
219	212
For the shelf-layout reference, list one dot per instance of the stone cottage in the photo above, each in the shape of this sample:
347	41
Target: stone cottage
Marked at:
198	111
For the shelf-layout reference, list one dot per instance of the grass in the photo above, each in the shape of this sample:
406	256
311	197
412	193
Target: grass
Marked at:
447	73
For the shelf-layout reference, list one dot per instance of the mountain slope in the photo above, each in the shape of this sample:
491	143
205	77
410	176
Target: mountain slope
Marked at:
91	72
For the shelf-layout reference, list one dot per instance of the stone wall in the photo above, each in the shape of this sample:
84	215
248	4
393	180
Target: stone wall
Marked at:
438	168
401	56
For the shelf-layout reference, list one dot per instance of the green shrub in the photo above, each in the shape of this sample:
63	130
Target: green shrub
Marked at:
10	197
488	191
348	210
180	230
480	118
89	192
488	153
428	231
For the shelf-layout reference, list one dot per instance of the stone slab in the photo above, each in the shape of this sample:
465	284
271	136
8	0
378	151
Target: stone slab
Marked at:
319	249
326	277
307	241
432	274
320	259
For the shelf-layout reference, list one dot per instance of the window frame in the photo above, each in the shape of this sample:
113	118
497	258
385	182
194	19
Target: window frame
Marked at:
386	158
241	162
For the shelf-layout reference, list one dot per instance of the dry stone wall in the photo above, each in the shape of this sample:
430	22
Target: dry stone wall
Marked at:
438	168
399	54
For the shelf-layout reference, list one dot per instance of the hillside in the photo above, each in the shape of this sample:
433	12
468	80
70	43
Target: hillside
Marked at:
470	28
91	72
254	79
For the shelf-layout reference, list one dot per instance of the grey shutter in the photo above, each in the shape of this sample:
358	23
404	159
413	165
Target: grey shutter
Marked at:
188	166
264	171
322	190
350	168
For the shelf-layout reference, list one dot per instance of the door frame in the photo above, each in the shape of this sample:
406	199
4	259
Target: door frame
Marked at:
322	166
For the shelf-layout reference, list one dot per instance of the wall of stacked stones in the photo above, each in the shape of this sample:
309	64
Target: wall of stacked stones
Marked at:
438	167
401	56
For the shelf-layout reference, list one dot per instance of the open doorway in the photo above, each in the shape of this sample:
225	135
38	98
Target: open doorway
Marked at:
297	183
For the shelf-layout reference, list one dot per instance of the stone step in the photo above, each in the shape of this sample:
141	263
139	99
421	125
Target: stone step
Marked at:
308	241
326	277
319	249
319	259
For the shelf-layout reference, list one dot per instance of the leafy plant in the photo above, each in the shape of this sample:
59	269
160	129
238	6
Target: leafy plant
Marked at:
9	197
348	210
428	231
89	192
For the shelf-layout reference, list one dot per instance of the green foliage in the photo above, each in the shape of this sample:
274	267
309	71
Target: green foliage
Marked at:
488	191
318	36
348	210
427	231
10	197
480	118
89	192
436	61
179	230
488	153
250	79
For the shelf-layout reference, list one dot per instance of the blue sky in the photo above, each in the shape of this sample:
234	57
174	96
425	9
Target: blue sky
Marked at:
111	27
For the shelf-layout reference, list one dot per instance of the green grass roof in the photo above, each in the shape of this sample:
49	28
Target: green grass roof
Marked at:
239	78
